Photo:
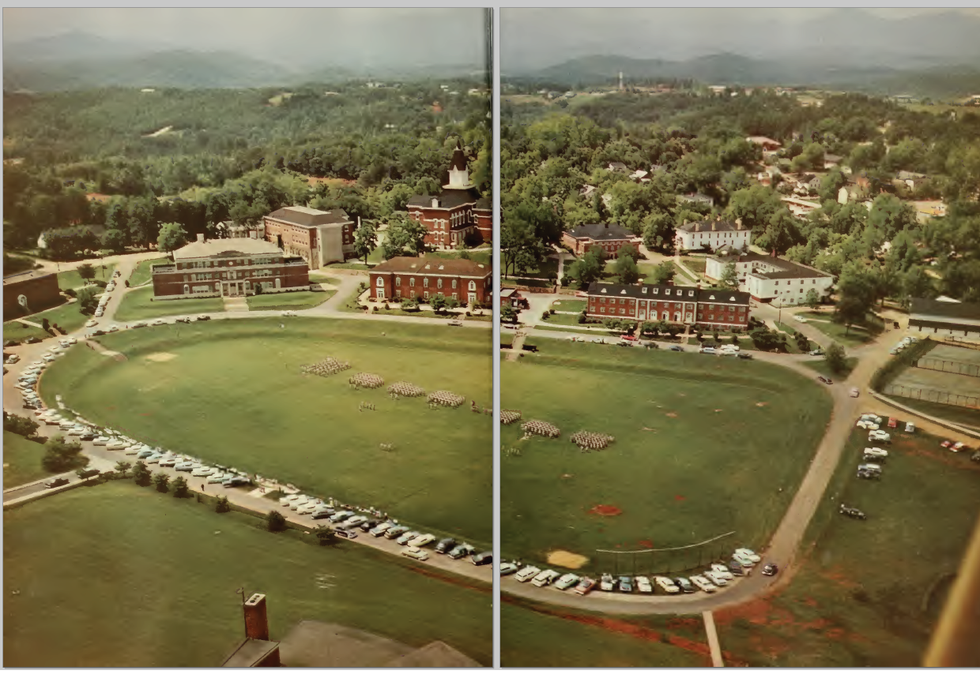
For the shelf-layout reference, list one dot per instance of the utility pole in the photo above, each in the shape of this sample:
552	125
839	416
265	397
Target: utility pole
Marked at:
241	591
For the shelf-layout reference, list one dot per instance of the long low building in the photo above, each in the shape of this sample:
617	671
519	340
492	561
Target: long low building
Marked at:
610	238
946	319
29	292
767	278
466	281
711	308
713	233
228	267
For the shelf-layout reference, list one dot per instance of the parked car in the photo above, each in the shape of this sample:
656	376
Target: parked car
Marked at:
445	545
909	427
482	558
716	578
745	356
139	324
585	585
625	584
546	577
958	447
816	352
526	574
770	570
853	513
607	583
825	380
666	584
461	550
508	568
355	521
57	482
423	540
748	554
406	537
643	585
676	347
736	568
880	436
349	535
707	349
159	321
875	453
722	571
566	581
395	531
703	584
319	514
183	319
855	392
415	553
686	586
381	529
892	422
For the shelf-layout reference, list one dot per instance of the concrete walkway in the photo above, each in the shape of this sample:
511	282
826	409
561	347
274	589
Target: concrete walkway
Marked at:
709	627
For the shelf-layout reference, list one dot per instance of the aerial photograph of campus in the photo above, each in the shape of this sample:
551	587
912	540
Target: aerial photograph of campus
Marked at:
248	355
740	337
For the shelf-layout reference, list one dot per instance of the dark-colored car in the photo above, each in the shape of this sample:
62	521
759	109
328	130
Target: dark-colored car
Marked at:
675	347
744	356
368	525
686	586
185	319
323	514
770	570
204	317
237	481
89	472
825	380
975	456
345	534
482	558
736	568
853	513
57	482
445	545
87	437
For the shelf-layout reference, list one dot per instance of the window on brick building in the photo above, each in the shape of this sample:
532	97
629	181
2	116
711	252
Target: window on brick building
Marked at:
472	285
454	285
398	280
425	282
380	282
411	282
439	283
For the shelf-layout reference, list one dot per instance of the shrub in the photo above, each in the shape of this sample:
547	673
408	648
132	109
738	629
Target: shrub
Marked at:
275	521
162	482
62	455
20	425
70	292
141	474
180	487
222	505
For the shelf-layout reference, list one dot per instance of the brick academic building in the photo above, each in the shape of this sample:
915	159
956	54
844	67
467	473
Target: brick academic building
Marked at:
29	292
610	238
228	267
319	237
424	277
711	308
458	213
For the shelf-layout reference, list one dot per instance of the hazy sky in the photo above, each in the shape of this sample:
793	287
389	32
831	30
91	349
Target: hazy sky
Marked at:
363	36
547	36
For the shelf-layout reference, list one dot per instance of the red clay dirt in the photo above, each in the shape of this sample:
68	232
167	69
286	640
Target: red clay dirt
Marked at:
606	511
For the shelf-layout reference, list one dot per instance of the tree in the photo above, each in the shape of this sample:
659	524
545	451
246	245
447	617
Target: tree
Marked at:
180	489
729	276
508	314
275	521
162	482
20	425
836	358
122	467
61	455
86	271
812	298
325	535
452	303
664	272
856	295
222	505
404	236
172	236
365	239
438	303
87	301
589	268
626	268
114	240
141	474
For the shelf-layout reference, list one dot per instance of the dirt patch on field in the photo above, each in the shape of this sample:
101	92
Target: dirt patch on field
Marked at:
761	404
606	511
566	559
161	357
672	415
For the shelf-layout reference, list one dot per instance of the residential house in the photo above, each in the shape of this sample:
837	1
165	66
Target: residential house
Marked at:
712	234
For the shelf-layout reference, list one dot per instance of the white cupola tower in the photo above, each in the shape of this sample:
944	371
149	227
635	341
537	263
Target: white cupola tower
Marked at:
459	176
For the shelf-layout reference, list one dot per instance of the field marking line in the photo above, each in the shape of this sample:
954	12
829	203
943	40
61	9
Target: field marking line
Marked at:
709	627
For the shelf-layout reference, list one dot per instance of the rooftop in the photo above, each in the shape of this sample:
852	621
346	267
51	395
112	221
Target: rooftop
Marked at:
954	310
669	292
226	248
786	269
715	225
435	266
449	199
601	232
310	217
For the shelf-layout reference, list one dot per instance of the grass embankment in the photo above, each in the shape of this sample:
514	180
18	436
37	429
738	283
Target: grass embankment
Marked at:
695	437
67	316
138	305
72	280
855	336
233	392
297	301
21	460
868	593
143	272
140	579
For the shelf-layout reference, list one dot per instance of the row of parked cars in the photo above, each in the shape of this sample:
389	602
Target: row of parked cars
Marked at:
27	382
718	575
347	521
725	350
902	345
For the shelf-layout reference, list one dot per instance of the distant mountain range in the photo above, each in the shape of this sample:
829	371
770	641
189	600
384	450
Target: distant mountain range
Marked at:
936	81
82	61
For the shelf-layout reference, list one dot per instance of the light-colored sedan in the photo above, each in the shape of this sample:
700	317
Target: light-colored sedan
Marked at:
216	478
406	537
722	571
566	581
113	328
422	540
415	553
666	584
643	585
168	462
716	578
101	440
203	471
92	323
381	529
749	554
286	500
855	392
703	584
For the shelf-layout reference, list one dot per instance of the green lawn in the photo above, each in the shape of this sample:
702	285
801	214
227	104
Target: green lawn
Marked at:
66	316
857	335
71	279
539	636
316	277
299	300
595	330
235	394
139	305
695	264
822	367
564	319
140	579
695	438
479	256
958	415
868	593
578	306
547	268
143	272
21	460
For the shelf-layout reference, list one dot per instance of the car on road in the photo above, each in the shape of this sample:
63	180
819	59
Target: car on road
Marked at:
585	585
482	558
707	349
816	352
770	570
825	380
686	586
566	581
958	447
203	471
88	472
748	554
204	317
57	482
405	537
415	553
643	585
853	513
703	584
159	321
139	324
909	427
113	328
288	313
526	574
744	356
92	323
855	392
675	347
666	584
508	568
546	577
607	583
461	550
423	540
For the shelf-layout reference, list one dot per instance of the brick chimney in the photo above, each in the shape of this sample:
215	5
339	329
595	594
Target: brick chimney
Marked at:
256	618
738	223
